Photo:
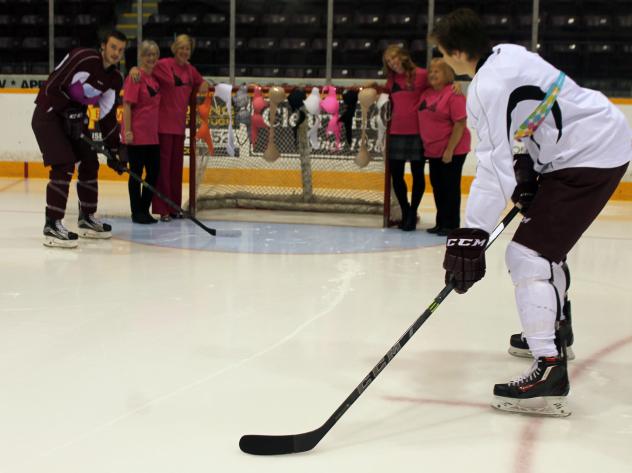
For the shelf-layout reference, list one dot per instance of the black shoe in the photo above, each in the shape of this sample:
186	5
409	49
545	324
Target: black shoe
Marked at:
143	219
411	222
402	223
177	215
150	219
434	229
541	391
444	231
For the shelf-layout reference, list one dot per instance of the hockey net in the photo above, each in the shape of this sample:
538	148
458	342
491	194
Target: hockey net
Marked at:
310	175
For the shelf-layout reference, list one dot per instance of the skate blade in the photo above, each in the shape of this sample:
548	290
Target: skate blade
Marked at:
550	406
522	353
570	354
57	243
91	234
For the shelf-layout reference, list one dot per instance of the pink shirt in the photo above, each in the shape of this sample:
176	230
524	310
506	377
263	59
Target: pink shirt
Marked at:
404	99
176	84
145	101
438	110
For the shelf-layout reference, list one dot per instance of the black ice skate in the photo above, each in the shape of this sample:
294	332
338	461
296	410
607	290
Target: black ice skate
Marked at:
518	344
56	235
91	227
540	391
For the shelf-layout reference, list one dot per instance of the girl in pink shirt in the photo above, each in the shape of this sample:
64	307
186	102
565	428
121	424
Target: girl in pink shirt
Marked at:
446	139
405	83
139	132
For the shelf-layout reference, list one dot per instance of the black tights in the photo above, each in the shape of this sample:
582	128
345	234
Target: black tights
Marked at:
141	157
396	167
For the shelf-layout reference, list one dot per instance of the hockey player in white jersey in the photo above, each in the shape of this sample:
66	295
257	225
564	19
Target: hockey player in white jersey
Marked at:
558	151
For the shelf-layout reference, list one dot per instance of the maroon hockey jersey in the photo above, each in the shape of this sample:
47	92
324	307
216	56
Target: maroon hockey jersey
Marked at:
80	80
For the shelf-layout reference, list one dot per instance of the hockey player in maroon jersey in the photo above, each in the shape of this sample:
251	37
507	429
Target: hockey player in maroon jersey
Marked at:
84	77
558	151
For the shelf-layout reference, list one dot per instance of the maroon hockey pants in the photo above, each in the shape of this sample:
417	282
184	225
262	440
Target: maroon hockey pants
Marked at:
61	153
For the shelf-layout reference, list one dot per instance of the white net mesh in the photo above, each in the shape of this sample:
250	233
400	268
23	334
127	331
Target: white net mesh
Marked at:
324	177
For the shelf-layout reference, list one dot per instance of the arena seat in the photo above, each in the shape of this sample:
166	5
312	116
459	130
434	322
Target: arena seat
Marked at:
382	44
6	24
65	43
298	72
157	25
214	19
32	24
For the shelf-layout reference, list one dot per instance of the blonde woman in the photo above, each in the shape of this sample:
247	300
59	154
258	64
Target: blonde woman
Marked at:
443	129
178	79
141	102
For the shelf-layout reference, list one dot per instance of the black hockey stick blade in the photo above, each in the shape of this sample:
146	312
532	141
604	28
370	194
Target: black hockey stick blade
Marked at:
99	148
284	444
280	444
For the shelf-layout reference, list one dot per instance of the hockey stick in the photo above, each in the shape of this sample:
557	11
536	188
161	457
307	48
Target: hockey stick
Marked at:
283	444
99	148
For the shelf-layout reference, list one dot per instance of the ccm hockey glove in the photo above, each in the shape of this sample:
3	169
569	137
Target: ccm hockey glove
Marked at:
464	260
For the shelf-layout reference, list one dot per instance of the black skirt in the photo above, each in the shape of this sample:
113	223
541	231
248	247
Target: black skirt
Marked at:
405	148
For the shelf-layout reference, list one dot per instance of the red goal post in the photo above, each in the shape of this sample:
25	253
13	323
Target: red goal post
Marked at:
323	178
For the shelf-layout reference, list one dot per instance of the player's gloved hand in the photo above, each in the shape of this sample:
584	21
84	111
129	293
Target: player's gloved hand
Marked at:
464	260
73	123
117	162
526	182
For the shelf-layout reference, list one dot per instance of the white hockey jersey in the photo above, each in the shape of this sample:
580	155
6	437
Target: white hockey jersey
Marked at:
583	129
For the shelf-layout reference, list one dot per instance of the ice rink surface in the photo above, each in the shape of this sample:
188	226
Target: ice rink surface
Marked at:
155	351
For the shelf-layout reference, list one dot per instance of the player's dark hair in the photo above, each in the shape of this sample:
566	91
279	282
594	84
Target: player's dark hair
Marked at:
461	30
116	34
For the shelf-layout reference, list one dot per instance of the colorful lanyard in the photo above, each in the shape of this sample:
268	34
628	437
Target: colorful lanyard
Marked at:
533	121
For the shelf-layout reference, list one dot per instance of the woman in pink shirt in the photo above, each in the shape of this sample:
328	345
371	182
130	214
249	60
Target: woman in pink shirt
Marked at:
141	101
405	83
442	125
178	79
